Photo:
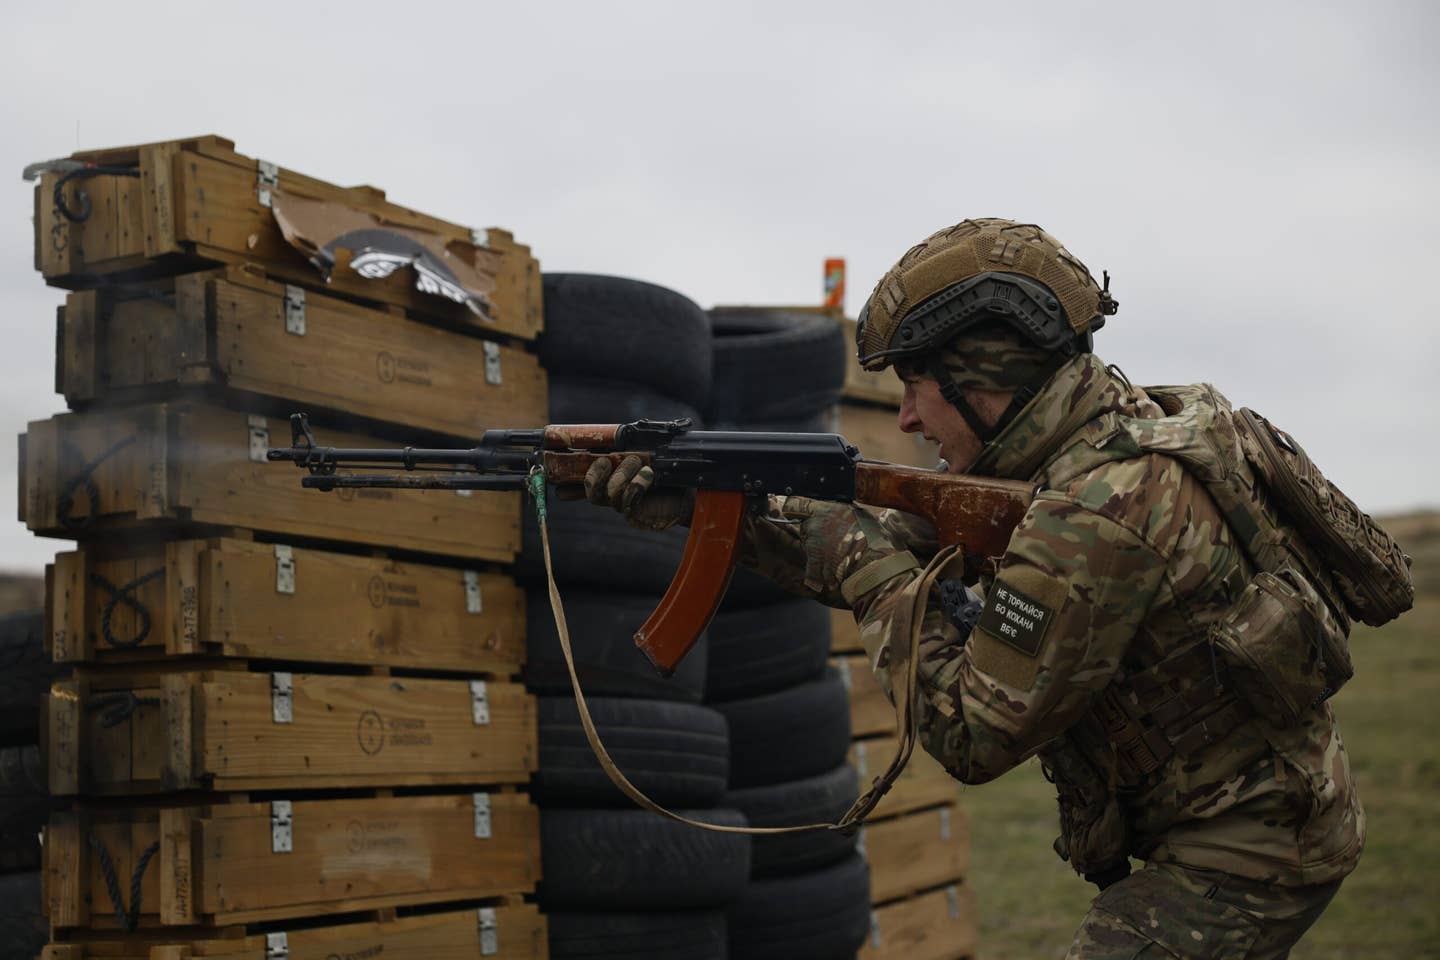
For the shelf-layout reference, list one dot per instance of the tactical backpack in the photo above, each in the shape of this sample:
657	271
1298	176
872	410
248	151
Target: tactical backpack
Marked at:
1319	559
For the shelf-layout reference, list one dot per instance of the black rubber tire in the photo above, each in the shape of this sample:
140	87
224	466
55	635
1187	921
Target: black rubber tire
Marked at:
26	672
773	365
595	546
799	732
824	915
584	400
676	753
23	929
822	799
749	589
675	935
761	649
629	329
602	637
633	859
24	806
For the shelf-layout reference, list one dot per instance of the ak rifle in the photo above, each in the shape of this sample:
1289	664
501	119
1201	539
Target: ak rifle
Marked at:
730	472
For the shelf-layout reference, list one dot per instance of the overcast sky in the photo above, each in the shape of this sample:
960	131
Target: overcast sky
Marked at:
1260	179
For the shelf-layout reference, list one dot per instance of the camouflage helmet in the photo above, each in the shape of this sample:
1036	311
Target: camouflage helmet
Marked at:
981	270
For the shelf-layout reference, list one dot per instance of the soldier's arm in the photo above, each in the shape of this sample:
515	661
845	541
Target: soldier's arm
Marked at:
1067	599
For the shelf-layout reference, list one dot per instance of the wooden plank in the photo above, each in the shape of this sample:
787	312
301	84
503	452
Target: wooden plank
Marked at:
64	750
923	783
518	296
917	851
66	870
193	462
363	854
870	710
876	431
217	730
220	597
77	372
519	934
363	731
227	488
370	363
939	925
177	900
844	634
157	216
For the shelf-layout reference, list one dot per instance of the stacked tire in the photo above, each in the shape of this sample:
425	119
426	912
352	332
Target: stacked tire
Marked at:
788	712
26	672
619	881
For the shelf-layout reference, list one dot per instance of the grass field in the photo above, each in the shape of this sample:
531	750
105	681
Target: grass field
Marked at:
1030	902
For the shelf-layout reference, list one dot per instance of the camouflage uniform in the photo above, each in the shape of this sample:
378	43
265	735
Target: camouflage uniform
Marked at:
1105	595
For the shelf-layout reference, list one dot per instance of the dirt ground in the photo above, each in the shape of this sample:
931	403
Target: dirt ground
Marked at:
1030	902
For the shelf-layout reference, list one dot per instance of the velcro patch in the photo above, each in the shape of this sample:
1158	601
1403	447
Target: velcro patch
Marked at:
1015	619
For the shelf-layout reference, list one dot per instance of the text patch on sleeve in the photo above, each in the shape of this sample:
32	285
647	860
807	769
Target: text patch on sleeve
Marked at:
1015	619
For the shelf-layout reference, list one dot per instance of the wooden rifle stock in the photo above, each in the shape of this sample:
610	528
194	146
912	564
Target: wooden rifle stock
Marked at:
979	513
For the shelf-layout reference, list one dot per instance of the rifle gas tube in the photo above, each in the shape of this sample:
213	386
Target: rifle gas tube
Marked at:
729	471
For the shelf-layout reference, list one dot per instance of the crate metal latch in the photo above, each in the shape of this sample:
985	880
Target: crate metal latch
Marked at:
482	816
277	946
472	592
489	932
479	703
259	437
280	826
294	310
282	707
492	362
284	568
267	180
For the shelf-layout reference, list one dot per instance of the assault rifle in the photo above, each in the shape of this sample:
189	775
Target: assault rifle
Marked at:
730	472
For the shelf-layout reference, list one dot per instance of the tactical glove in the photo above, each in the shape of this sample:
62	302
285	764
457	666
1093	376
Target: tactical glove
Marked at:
628	488
847	552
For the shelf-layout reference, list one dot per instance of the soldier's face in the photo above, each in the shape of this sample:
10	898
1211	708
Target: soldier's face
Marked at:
924	411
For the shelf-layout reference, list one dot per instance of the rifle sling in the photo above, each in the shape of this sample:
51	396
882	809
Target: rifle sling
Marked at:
905	714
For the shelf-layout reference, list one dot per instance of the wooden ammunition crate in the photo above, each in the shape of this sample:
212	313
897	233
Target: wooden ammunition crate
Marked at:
507	931
198	203
875	430
924	783
228	863
237	598
231	730
916	851
938	925
870	710
195	463
236	329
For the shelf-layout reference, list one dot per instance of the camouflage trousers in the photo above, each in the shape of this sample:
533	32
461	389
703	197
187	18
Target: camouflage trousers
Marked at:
1167	911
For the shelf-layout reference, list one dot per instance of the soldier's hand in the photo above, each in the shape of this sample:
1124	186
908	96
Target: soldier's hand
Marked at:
630	489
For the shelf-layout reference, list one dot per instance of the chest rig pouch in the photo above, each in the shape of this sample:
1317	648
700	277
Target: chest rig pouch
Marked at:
1320	560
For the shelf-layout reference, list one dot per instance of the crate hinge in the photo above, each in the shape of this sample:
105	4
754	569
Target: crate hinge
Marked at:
845	679
294	310
284	568
489	932
482	816
492	362
953	896
280	823
479	703
259	438
860	840
267	179
282	706
479	237
277	946
875	940
473	599
944	823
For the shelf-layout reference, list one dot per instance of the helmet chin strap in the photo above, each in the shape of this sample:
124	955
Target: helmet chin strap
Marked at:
951	391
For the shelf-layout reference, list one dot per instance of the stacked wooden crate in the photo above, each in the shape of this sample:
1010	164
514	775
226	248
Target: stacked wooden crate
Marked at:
292	725
918	841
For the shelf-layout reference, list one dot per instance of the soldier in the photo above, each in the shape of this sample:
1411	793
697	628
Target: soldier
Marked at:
1094	650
